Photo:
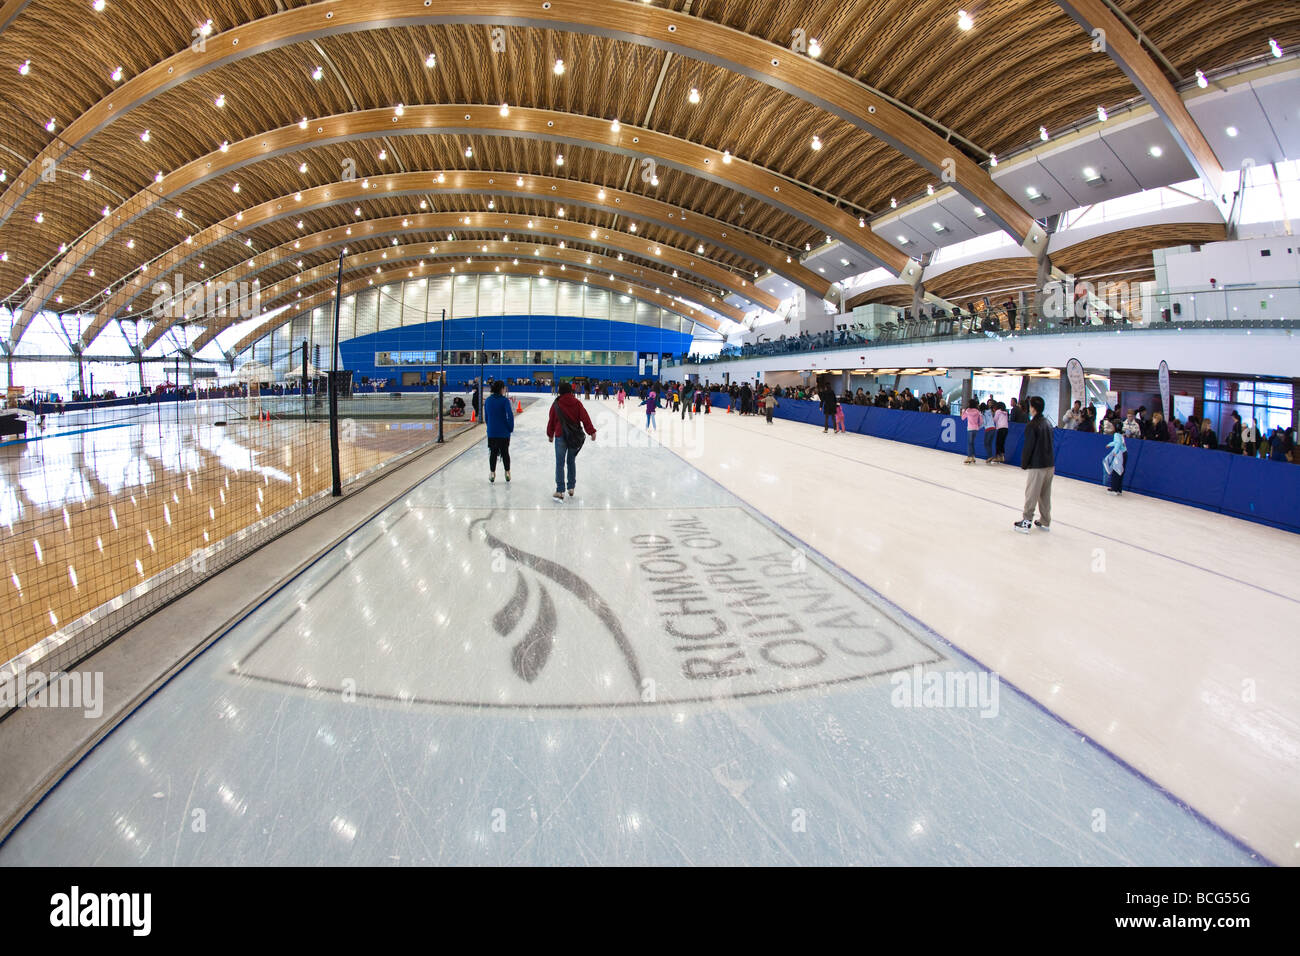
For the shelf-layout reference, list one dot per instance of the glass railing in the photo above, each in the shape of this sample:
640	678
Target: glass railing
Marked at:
1255	307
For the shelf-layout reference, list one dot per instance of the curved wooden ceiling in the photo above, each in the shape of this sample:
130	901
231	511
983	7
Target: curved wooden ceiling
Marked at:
966	93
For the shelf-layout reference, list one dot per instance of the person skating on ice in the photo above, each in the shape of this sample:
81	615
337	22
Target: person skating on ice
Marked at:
499	418
564	428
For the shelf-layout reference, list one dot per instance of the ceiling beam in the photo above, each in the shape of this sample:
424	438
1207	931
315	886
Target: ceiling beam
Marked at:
545	125
688	36
1127	52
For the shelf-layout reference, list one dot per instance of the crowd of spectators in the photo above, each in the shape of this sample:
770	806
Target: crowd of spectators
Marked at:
1243	438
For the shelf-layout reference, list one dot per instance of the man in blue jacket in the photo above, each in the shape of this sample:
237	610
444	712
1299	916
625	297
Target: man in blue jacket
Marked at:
500	420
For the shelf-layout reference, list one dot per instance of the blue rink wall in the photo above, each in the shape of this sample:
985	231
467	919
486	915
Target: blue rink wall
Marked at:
1264	491
514	332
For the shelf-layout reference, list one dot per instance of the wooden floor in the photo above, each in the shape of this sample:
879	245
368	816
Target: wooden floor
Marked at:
86	515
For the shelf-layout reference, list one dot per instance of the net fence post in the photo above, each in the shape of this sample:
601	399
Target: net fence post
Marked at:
334	390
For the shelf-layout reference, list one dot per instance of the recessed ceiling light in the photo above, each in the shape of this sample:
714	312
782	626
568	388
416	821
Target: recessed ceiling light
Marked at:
614	126
979	212
1274	48
431	61
469	153
693	96
25	68
49	127
1102	115
1201	81
558	69
116	75
816	143
1231	131
1156	151
1042	133
318	73
964	20
559	159
993	160
220	101
505	109
814	48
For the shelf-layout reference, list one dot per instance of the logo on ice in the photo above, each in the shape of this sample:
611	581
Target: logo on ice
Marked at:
919	688
181	299
83	690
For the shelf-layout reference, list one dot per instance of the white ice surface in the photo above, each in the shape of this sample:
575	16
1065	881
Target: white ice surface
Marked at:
485	675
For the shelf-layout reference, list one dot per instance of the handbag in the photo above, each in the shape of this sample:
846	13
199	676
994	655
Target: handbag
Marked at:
574	436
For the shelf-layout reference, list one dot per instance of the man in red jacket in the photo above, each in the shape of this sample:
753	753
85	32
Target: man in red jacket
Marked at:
564	427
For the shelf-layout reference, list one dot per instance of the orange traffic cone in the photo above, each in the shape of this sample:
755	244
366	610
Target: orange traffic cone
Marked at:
519	407
473	417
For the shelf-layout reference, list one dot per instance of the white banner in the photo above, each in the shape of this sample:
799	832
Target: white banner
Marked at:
1163	375
1074	372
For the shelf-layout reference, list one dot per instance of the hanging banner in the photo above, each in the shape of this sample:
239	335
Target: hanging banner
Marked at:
640	365
1163	376
1074	372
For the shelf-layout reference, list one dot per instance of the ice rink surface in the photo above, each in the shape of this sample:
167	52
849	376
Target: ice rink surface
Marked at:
737	644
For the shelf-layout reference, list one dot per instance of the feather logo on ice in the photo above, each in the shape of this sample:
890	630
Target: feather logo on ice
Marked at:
530	655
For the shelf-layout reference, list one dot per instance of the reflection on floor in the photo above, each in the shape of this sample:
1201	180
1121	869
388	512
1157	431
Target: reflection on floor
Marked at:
88	514
648	672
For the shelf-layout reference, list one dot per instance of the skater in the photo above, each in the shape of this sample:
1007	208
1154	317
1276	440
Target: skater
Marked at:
769	405
1038	460
1000	422
829	404
702	398
499	418
688	392
1114	462
839	417
990	430
564	428
973	419
622	396
651	404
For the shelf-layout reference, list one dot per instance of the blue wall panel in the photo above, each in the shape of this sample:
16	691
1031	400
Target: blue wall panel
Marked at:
514	332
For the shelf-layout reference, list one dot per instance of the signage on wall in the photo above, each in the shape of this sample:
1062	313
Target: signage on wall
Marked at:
1162	374
1074	372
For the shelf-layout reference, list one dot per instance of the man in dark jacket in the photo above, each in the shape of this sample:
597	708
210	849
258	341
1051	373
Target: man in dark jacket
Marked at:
566	409
1039	462
829	404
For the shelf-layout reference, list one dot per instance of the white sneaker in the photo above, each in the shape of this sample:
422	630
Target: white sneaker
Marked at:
1024	527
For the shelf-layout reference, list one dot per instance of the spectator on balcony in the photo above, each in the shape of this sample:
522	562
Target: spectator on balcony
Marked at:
1010	308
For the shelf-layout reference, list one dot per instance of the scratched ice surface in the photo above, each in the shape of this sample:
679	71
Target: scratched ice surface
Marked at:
649	672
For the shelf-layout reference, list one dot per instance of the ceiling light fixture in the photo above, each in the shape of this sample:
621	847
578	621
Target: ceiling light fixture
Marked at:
1101	114
431	61
693	96
1042	133
1201	81
964	21
816	143
558	69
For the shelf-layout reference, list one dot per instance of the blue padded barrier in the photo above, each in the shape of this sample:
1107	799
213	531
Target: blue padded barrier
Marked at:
1264	491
